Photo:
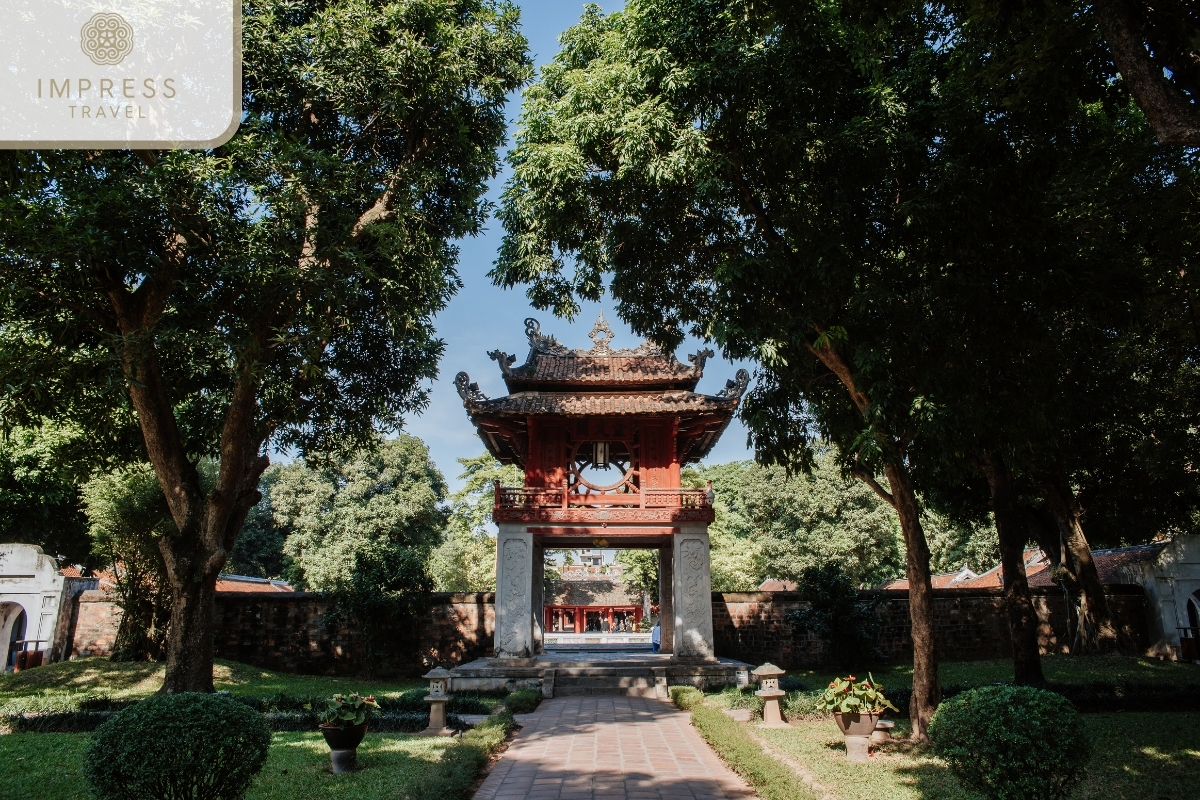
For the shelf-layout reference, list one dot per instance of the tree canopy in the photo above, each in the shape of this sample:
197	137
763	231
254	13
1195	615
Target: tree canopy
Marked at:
278	290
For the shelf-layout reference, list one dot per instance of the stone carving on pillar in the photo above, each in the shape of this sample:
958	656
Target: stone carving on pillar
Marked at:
666	600
693	599
514	599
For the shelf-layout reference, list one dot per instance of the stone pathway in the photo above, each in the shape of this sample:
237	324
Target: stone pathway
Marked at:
610	748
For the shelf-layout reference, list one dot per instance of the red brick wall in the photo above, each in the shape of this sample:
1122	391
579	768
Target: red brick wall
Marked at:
293	632
96	624
969	624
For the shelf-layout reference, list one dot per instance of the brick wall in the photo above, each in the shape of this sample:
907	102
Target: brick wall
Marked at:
969	624
293	632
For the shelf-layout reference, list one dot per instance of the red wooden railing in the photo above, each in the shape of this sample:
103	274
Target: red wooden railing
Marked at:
523	497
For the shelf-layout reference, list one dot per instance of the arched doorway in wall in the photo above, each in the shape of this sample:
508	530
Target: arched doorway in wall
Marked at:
1189	637
13	622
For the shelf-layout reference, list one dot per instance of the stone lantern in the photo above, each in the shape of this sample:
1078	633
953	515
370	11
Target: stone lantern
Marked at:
439	694
768	679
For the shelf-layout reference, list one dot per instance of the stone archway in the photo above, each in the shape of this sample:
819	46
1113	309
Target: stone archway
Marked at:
14	623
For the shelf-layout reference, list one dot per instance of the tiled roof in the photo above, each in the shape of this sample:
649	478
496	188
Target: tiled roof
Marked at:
940	580
601	369
244	583
569	403
1110	562
774	585
71	572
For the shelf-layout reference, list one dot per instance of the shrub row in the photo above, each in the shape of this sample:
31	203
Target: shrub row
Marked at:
303	720
522	701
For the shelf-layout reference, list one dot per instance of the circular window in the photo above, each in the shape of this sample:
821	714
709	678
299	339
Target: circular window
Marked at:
602	468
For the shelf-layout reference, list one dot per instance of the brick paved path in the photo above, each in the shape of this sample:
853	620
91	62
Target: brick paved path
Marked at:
610	748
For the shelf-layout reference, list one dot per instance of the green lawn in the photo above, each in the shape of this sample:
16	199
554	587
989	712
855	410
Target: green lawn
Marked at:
1058	669
99	676
1136	757
48	765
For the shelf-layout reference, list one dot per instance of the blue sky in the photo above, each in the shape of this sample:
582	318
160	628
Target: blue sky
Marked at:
482	317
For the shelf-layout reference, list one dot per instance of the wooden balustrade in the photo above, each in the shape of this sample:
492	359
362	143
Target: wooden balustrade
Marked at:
537	497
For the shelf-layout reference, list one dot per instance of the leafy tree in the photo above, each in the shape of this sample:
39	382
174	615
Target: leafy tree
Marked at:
774	525
259	548
39	494
276	291
900	234
953	544
837	616
127	516
361	528
465	561
641	572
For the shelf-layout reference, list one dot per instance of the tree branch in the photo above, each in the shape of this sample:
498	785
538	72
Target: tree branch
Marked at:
869	479
1175	120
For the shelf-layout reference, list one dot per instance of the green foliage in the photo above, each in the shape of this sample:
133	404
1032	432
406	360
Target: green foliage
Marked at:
276	292
39	492
953	545
1012	742
837	616
127	515
770	524
197	746
361	527
465	560
522	701
686	697
259	549
771	779
347	711
640	572
847	697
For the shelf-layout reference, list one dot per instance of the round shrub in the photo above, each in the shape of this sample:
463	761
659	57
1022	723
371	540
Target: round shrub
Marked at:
1011	742
178	746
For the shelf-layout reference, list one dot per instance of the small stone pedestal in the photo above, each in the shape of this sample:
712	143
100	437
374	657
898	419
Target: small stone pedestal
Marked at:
439	682
768	676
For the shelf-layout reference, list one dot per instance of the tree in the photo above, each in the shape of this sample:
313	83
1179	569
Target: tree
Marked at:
361	528
278	290
900	231
259	548
127	515
773	525
465	561
735	170
39	493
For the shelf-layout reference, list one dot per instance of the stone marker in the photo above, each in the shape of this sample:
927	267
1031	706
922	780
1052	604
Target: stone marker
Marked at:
768	677
439	683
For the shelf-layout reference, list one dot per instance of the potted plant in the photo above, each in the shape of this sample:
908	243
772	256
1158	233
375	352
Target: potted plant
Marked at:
344	724
856	708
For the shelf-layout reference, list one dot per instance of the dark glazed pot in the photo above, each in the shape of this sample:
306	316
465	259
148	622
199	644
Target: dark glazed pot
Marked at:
344	738
856	724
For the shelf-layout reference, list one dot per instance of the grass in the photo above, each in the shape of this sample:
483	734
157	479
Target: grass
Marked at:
394	766
771	778
1070	669
118	681
1136	757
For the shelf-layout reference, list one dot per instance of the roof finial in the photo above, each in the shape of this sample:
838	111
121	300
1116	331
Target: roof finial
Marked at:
602	335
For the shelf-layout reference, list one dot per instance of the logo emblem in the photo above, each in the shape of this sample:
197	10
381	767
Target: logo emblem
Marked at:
106	38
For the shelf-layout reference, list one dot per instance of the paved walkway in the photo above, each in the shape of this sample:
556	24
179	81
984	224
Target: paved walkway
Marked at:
610	748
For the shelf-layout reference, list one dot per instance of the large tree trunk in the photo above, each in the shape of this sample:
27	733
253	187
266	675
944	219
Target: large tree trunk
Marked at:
190	642
927	686
1095	618
1022	617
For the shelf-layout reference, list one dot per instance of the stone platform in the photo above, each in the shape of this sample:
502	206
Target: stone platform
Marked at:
574	672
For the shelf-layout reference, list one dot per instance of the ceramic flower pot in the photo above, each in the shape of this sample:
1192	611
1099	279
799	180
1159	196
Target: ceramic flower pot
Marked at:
857	729
343	745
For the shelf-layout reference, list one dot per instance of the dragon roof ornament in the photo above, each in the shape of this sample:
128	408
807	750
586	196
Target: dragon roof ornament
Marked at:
735	388
469	392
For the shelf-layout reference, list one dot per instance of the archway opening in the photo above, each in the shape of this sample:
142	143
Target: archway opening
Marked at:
13	615
600	599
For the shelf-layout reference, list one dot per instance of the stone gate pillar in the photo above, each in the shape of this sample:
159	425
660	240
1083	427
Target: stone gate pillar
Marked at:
538	609
666	605
693	635
514	592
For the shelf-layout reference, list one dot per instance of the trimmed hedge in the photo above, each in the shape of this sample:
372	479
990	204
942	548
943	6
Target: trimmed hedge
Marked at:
1011	742
522	701
187	745
686	697
771	779
454	773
